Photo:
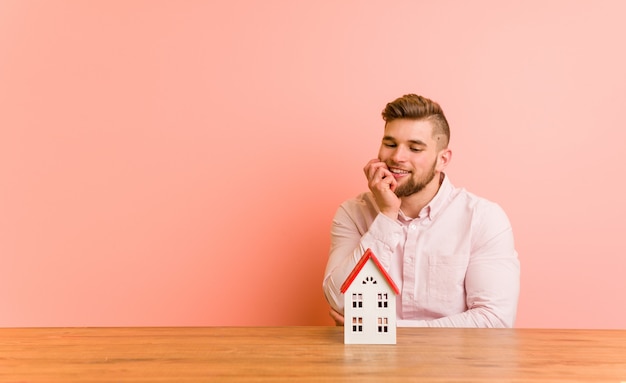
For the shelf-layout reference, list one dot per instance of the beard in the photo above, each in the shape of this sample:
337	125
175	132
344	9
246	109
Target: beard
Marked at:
413	185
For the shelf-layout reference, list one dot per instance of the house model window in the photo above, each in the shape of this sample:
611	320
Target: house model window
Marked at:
383	324
383	300
369	306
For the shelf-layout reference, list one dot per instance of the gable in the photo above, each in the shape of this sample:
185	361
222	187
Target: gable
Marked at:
368	256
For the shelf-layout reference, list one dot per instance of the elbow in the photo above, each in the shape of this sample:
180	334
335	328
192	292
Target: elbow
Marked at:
333	295
499	319
490	316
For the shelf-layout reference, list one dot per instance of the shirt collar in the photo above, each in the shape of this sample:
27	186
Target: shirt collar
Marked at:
436	204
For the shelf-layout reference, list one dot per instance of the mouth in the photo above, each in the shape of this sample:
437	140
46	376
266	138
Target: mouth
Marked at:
397	173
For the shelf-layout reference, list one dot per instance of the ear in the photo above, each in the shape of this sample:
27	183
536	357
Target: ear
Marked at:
443	159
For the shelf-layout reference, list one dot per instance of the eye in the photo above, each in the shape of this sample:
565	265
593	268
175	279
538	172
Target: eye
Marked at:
416	150
389	145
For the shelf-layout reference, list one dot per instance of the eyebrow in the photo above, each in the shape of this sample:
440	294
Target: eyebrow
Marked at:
414	142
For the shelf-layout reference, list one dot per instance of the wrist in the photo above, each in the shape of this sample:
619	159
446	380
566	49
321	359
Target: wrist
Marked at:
391	213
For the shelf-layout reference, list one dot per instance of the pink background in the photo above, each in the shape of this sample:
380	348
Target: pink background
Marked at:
179	162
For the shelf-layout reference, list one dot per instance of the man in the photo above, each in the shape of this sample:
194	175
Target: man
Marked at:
450	252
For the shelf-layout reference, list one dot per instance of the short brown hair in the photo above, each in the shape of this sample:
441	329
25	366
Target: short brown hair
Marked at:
414	107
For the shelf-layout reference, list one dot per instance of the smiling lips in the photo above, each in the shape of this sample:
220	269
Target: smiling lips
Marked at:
397	173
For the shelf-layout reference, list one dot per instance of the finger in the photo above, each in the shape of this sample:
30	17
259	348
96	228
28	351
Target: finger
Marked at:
393	184
382	174
371	167
338	318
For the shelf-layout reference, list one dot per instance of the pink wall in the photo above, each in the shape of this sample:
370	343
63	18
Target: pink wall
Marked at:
179	163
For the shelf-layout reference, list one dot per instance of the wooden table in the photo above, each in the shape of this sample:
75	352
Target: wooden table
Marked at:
308	354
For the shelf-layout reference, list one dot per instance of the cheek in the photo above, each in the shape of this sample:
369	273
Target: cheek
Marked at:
426	164
381	153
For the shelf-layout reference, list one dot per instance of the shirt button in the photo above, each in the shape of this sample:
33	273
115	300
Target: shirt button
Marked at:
412	226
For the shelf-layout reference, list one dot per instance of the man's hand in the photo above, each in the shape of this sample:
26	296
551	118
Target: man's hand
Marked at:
382	184
338	318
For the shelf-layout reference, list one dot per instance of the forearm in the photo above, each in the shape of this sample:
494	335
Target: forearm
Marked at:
348	243
473	318
334	277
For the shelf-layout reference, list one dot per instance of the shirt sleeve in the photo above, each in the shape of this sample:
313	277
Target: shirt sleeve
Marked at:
492	279
351	236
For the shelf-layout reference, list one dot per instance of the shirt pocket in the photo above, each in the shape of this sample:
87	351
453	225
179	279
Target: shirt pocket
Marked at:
446	278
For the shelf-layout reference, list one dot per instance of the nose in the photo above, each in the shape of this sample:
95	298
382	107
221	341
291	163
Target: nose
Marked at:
399	155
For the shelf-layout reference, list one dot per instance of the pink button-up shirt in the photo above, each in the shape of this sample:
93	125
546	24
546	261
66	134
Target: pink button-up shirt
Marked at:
455	265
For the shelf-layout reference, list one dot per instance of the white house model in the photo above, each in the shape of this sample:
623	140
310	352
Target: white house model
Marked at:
369	303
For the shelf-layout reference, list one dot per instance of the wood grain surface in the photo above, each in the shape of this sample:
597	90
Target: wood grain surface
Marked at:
309	354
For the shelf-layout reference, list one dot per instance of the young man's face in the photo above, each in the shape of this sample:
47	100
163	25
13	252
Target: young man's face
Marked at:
410	152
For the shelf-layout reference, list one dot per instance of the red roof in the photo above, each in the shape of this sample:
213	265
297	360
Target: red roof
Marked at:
357	269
